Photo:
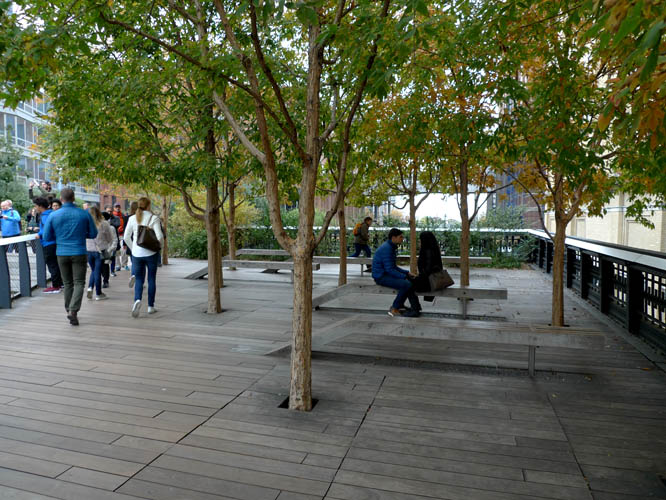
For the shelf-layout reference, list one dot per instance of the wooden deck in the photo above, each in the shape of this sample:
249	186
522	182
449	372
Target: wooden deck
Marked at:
182	405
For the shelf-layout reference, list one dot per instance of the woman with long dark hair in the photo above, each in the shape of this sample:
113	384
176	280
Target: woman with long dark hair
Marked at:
429	262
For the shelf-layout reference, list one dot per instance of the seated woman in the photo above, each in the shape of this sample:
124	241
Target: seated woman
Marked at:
429	262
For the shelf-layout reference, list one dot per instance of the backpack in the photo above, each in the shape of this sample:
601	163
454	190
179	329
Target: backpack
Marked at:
357	228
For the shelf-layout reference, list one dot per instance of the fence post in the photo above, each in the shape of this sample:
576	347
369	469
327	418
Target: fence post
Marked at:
605	284
570	269
585	274
549	256
542	253
634	302
5	280
40	264
24	270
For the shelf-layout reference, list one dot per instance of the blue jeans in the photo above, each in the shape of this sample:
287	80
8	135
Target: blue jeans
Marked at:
95	263
357	250
405	291
139	266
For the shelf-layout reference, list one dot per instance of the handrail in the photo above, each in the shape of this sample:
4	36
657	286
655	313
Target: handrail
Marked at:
628	284
20	243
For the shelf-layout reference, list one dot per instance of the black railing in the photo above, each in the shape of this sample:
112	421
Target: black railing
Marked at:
627	284
22	268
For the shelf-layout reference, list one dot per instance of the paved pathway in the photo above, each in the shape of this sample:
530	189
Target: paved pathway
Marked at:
183	405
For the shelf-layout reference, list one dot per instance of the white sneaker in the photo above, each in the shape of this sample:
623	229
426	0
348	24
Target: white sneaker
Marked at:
101	296
131	281
151	310
89	293
136	308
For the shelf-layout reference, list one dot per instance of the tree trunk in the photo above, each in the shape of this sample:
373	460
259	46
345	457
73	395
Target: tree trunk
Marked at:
558	272
212	219
300	391
464	227
231	223
166	206
413	267
342	222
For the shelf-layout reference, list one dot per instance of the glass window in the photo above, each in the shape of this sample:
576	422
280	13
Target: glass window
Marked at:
21	166
20	131
29	139
10	124
2	124
21	105
42	170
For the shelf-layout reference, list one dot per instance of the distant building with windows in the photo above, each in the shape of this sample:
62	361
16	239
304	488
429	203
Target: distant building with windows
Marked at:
509	196
23	127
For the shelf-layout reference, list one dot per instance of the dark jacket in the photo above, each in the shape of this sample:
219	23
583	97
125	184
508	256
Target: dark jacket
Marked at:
430	261
363	236
384	262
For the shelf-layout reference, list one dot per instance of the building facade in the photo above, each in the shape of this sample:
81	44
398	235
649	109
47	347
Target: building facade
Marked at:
23	127
615	227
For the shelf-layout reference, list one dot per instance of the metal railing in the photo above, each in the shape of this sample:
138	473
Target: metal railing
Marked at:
22	268
627	284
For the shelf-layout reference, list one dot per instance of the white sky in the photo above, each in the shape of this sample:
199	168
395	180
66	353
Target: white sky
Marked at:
439	205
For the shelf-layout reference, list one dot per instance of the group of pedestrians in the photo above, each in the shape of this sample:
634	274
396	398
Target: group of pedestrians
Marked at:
75	239
385	270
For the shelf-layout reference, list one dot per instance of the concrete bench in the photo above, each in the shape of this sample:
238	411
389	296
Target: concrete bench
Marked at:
463	293
265	264
251	264
529	335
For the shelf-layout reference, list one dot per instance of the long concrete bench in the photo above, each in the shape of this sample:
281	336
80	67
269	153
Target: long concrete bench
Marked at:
529	335
463	293
252	264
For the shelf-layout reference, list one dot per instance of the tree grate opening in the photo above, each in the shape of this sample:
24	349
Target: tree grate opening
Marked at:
285	403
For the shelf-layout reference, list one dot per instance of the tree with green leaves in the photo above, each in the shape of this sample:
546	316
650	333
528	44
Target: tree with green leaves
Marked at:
287	59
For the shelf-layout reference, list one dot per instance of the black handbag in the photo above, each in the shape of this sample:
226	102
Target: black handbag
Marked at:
146	238
440	280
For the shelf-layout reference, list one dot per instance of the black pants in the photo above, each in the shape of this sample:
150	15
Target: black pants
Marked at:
52	263
105	272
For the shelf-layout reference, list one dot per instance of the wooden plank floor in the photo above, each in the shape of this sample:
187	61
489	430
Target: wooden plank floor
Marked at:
184	405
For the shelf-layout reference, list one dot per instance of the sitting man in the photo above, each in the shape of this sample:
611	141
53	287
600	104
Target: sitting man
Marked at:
385	272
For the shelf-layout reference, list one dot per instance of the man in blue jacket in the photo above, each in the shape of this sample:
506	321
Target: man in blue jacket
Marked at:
49	246
10	223
385	272
70	226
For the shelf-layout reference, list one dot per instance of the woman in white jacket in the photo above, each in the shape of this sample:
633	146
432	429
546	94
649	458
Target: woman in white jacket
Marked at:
142	258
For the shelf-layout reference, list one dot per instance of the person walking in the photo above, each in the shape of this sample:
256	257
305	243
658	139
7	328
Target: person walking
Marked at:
49	246
69	227
362	238
98	249
144	260
10	223
386	272
127	252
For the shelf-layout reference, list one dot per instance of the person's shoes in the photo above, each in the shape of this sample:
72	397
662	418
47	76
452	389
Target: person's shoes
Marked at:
411	313
73	319
151	310
105	285
136	308
393	312
113	274
101	296
131	281
51	289
89	293
126	268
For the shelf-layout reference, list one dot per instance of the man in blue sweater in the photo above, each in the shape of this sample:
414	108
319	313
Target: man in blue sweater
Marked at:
69	227
385	272
49	246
